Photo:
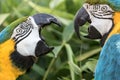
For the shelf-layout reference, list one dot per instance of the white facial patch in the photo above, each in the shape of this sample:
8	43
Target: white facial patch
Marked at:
101	16
26	36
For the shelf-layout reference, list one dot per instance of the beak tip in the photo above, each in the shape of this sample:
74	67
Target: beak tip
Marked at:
56	21
76	27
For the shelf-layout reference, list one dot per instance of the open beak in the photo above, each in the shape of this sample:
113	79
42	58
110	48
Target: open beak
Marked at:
80	19
42	48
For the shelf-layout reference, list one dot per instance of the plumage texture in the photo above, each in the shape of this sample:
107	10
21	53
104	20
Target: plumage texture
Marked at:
96	1
8	71
108	63
7	32
116	28
115	4
108	66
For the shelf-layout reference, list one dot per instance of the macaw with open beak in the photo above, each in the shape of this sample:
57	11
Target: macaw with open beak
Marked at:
104	19
21	43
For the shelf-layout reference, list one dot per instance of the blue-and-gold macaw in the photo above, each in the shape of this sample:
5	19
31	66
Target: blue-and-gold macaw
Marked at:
104	19
21	43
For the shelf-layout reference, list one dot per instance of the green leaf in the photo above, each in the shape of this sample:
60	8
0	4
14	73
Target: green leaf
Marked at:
70	60
70	9
87	54
3	17
38	69
55	3
68	32
91	64
16	11
57	49
75	68
65	21
63	78
50	11
69	52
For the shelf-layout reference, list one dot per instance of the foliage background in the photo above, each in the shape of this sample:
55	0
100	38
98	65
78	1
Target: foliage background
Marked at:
72	58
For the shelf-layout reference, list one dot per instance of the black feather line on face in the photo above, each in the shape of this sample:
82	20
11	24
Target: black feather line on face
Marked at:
103	39
22	62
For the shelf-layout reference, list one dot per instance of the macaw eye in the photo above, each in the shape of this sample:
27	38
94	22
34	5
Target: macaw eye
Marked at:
27	34
23	28
104	8
101	17
22	31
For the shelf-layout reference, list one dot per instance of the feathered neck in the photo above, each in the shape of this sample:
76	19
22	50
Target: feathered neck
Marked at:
116	28
7	70
12	64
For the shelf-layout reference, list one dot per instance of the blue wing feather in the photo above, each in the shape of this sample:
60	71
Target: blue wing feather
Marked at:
4	33
108	66
115	4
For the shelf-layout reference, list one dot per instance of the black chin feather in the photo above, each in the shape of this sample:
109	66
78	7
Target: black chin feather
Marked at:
22	62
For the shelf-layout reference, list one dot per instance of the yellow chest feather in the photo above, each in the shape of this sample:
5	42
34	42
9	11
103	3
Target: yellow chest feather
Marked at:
7	70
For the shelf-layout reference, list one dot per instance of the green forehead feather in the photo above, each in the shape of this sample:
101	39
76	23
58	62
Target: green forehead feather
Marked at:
114	4
6	33
96	1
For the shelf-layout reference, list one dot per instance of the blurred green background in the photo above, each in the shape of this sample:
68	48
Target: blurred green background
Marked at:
72	58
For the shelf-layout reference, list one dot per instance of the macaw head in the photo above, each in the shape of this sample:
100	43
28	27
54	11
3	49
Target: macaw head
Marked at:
101	16
27	34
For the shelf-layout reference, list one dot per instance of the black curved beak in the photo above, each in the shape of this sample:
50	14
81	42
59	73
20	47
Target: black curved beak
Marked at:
80	19
43	19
